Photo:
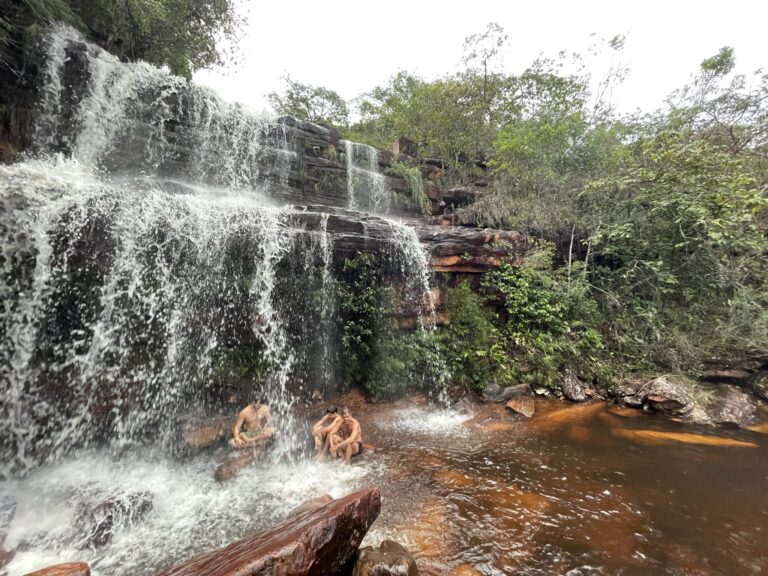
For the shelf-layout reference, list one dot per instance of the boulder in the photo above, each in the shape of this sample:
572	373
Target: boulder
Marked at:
98	522
522	405
668	397
495	393
731	406
66	569
389	559
662	395
460	196
314	543
573	389
311	504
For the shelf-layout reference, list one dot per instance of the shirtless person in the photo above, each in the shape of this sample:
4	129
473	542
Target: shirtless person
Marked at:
258	424
320	431
346	437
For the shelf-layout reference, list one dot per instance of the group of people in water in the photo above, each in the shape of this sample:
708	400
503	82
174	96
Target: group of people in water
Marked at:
336	435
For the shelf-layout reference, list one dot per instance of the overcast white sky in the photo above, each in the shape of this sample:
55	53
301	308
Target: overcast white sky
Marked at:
352	46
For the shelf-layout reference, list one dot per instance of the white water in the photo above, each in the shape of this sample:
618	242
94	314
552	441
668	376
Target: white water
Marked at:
190	512
133	264
366	186
435	422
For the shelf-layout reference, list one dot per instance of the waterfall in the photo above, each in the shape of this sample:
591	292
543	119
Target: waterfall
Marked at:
413	262
150	263
366	186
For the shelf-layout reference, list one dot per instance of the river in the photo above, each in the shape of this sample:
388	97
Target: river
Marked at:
577	490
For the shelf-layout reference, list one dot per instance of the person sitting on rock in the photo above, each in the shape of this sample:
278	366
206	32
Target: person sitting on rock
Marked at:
320	431
346	437
254	425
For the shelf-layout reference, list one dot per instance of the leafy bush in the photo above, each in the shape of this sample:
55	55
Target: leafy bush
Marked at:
412	176
545	317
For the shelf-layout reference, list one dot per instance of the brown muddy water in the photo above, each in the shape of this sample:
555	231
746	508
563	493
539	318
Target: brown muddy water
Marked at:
576	490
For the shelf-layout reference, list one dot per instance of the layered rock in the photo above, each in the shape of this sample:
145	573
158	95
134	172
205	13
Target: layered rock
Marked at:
314	543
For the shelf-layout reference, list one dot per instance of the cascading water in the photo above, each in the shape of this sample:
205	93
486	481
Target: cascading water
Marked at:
366	186
150	264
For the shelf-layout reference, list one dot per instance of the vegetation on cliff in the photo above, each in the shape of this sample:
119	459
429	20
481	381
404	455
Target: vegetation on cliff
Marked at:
653	225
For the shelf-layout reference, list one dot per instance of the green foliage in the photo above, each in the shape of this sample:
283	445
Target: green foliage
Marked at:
377	356
546	319
471	343
361	315
412	176
181	34
312	103
404	361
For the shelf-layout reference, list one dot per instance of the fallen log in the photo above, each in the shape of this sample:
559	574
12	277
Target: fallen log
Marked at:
314	543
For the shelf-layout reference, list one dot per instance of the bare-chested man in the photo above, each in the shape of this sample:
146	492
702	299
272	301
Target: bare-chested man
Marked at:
346	437
254	425
320	432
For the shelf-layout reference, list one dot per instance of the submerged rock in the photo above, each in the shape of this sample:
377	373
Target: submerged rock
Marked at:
389	559
314	543
98	522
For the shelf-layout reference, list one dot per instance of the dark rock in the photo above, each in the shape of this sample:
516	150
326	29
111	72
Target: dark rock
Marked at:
97	523
314	543
67	569
406	147
494	393
461	196
760	387
437	162
311	504
573	389
389	559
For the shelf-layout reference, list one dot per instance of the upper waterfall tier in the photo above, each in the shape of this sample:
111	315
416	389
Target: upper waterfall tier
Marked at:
133	118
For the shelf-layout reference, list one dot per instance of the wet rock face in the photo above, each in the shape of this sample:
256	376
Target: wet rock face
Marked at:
98	522
389	559
314	543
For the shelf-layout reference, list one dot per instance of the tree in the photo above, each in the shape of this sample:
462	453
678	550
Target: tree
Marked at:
312	103
181	34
